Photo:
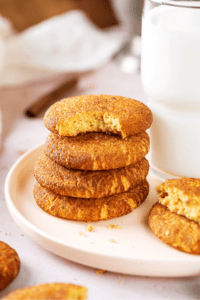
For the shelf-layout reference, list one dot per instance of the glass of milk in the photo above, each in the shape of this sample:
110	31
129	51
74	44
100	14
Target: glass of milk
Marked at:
170	72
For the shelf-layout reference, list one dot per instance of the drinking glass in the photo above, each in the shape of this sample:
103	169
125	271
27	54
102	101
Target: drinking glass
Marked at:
170	73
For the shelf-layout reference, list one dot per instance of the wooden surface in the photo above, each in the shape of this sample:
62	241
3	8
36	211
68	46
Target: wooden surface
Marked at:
24	14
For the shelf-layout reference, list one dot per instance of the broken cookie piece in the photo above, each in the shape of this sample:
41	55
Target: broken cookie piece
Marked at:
181	196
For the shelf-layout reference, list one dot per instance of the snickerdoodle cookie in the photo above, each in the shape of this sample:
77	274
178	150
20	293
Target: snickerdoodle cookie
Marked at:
96	151
9	264
90	209
181	196
88	184
98	113
59	291
175	230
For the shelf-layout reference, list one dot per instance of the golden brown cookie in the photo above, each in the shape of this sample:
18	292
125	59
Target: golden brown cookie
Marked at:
96	151
88	184
53	291
175	230
181	196
95	209
98	113
9	264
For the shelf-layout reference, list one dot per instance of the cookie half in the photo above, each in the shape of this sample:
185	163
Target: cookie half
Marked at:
96	151
88	184
93	210
62	291
98	113
174	230
9	264
181	196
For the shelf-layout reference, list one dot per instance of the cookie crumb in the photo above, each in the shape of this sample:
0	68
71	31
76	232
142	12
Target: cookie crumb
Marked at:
112	226
121	282
118	227
90	227
100	271
112	241
80	232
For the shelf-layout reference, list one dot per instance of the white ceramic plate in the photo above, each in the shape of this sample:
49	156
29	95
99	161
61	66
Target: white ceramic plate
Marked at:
136	249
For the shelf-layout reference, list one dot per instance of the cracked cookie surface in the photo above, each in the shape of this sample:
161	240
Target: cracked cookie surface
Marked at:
90	209
9	264
175	230
88	184
96	151
98	113
59	291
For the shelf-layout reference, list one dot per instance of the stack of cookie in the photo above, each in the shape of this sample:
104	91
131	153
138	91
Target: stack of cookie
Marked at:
94	166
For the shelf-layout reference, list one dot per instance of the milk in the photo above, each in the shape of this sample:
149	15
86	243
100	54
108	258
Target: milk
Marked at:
170	70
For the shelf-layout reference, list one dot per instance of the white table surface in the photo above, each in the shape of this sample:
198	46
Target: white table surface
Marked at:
37	264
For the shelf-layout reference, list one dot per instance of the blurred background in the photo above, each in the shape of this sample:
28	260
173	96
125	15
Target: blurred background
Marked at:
103	13
43	35
24	14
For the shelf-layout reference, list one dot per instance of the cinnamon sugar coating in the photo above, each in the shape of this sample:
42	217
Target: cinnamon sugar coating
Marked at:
96	151
90	209
175	230
88	184
53	291
9	264
98	113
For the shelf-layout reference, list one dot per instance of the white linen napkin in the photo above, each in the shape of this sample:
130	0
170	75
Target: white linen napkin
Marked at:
66	43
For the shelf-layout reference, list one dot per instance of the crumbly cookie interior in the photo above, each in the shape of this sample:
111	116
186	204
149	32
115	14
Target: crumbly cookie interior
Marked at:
89	122
177	201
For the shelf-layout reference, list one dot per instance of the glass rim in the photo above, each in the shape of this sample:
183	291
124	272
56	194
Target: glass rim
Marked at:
178	3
